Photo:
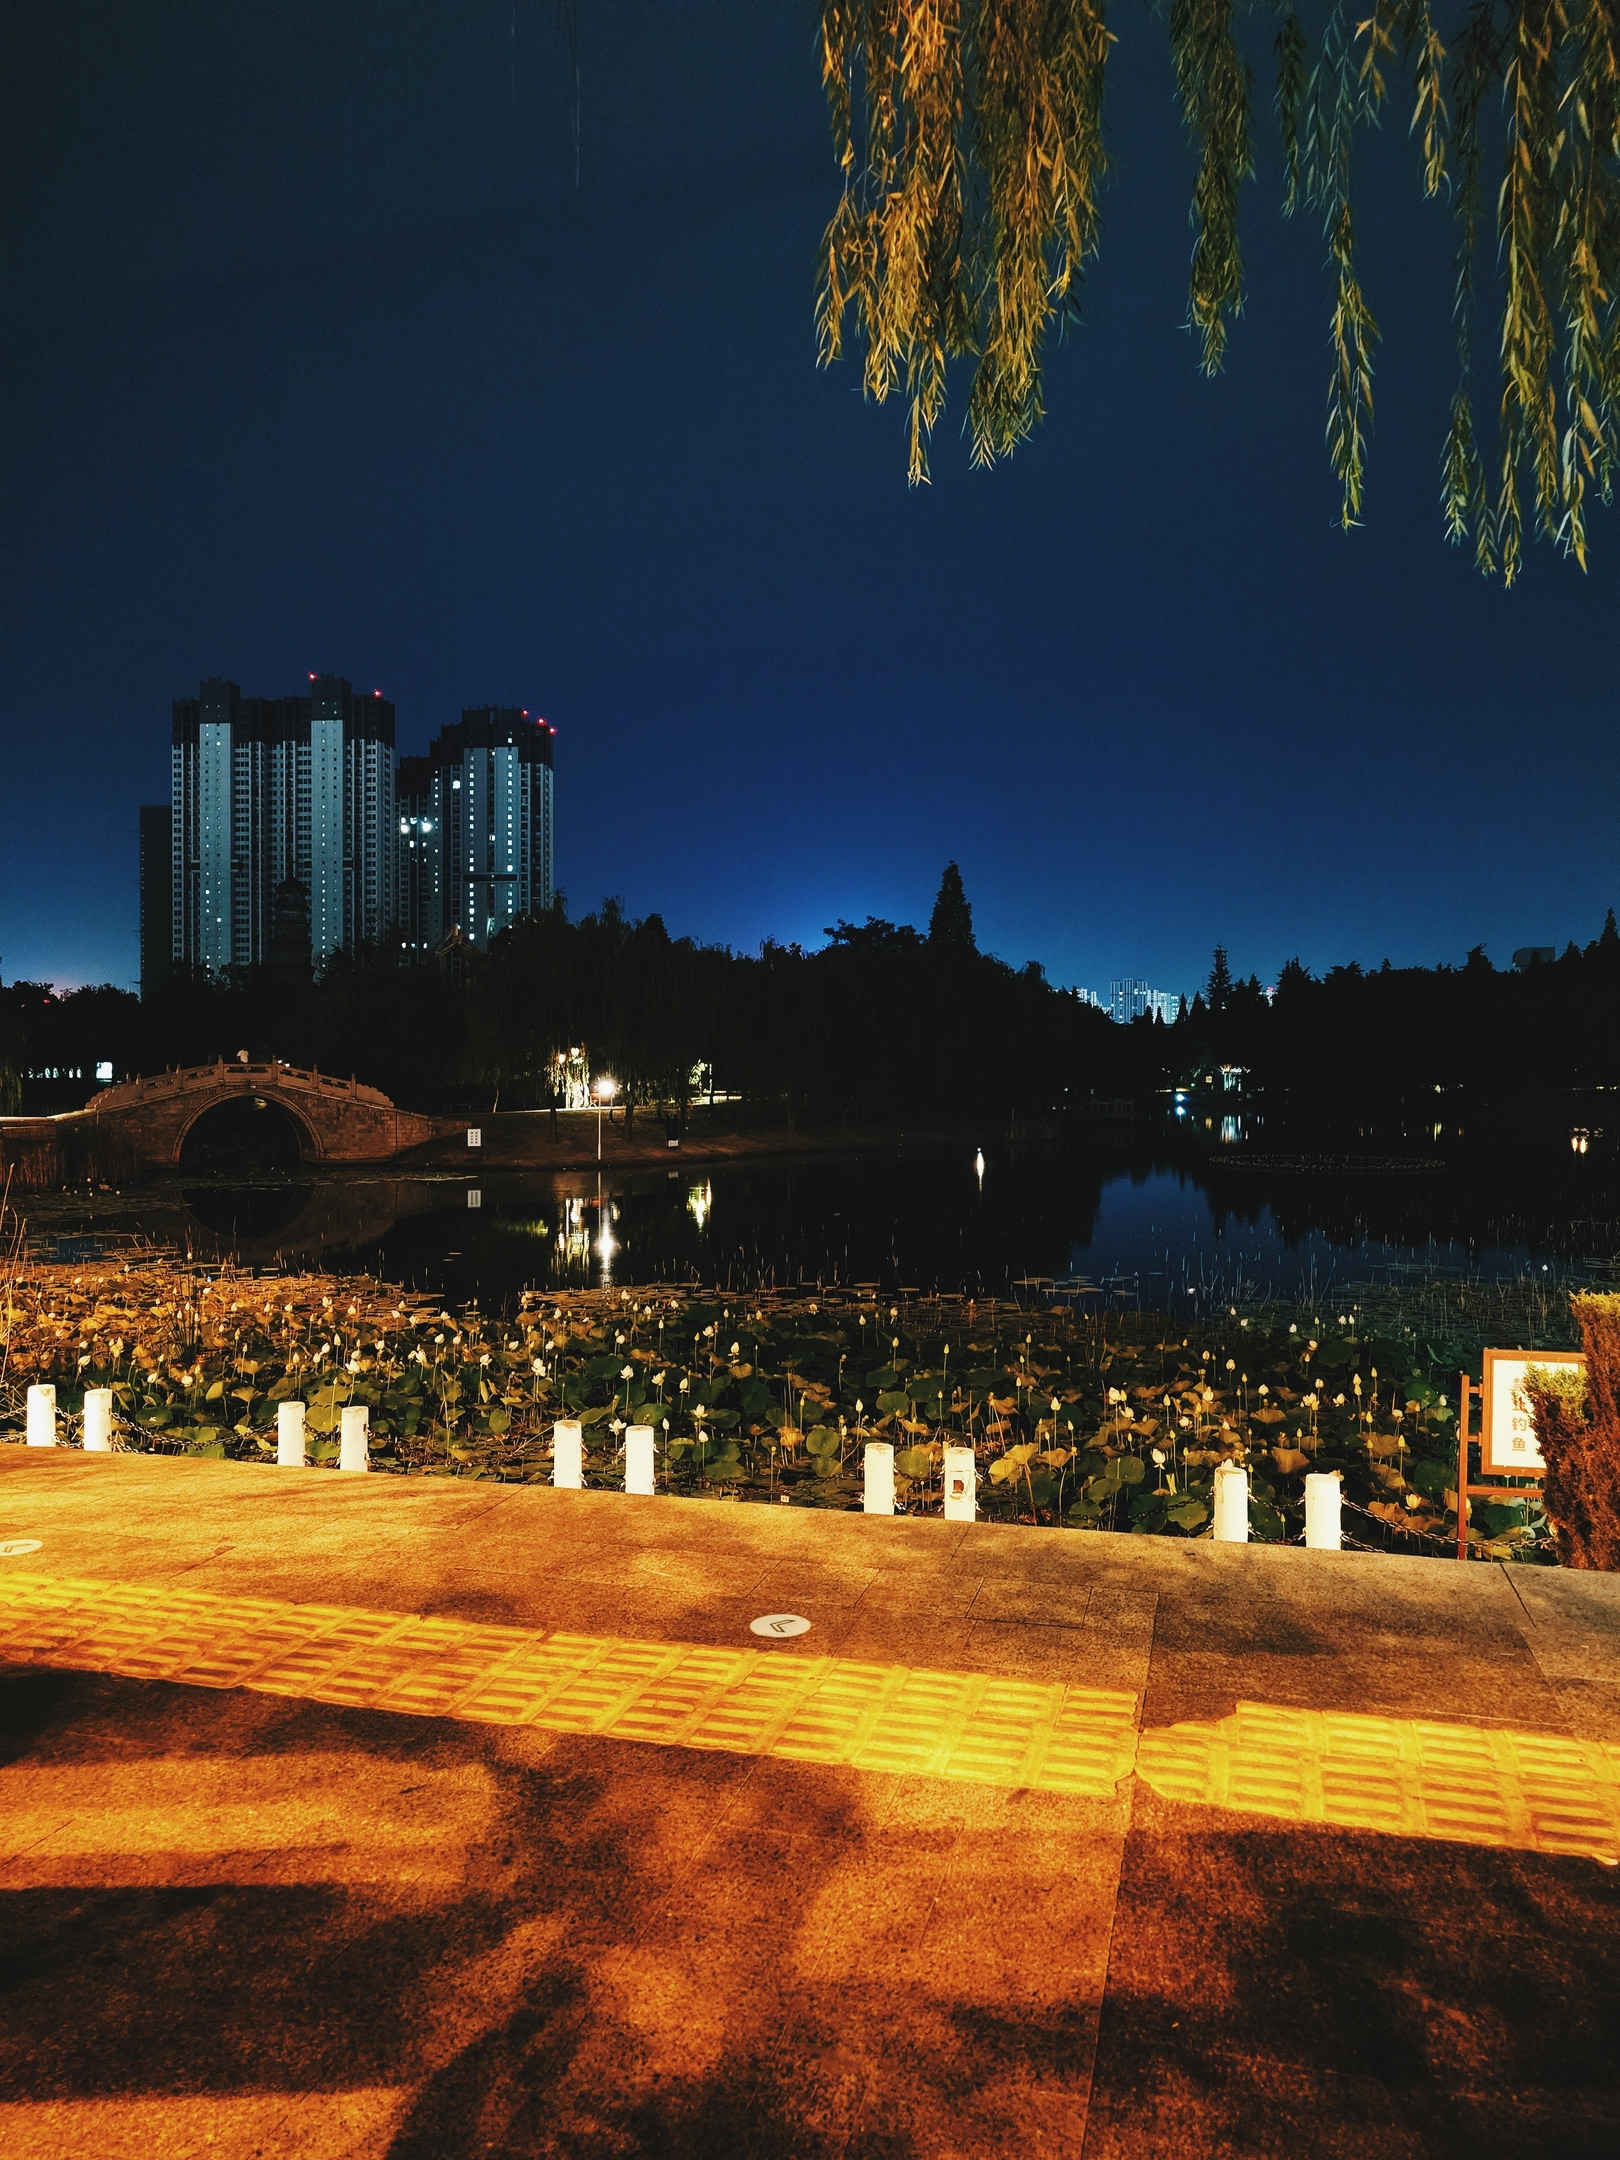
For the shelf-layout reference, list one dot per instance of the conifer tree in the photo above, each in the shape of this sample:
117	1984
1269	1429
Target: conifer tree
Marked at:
950	927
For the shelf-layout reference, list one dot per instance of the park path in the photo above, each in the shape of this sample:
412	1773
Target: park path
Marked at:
372	1816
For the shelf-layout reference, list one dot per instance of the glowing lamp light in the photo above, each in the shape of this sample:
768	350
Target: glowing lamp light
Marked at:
568	1455
638	1460
42	1415
878	1465
98	1421
290	1436
605	1089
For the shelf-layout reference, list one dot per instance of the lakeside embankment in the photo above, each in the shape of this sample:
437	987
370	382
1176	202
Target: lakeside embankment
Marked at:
1077	1420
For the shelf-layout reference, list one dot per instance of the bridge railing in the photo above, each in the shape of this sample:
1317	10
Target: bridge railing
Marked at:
234	1077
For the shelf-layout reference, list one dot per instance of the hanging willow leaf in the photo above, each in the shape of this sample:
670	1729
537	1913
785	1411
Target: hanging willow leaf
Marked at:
1589	227
1340	94
968	136
1463	494
1291	50
1214	83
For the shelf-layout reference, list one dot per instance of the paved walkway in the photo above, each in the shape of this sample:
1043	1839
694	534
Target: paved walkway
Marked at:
419	1818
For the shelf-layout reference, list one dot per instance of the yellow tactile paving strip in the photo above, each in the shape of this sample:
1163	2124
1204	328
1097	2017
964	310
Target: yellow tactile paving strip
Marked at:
892	1718
1409	1777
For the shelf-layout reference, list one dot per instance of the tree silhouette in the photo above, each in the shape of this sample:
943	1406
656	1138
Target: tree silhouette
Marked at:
950	927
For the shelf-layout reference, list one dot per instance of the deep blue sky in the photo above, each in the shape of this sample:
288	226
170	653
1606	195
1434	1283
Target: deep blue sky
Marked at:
315	357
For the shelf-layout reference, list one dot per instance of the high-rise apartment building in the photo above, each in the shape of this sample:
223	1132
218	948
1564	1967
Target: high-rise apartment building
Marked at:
271	790
295	833
1131	1000
419	878
490	800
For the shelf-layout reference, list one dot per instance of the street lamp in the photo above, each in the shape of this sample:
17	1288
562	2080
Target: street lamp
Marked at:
604	1090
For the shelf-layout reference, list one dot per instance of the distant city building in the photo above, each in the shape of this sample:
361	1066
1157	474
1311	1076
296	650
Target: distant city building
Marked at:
295	832
1131	1000
290	953
157	896
490	798
419	877
272	791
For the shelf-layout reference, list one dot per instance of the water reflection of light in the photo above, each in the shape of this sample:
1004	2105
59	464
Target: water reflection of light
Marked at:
1231	1130
573	1239
700	1203
1579	1140
978	1164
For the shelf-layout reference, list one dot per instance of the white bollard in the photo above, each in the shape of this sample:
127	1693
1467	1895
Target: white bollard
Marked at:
638	1460
961	1503
290	1435
98	1421
568	1454
1231	1504
42	1415
354	1437
879	1468
1324	1490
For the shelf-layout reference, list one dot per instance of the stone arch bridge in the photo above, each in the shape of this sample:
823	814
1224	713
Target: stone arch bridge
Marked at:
149	1119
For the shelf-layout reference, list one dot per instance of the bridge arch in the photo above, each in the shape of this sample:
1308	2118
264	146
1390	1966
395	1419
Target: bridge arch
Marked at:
335	1120
261	1127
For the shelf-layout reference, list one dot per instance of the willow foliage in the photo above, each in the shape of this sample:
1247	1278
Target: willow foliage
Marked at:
969	135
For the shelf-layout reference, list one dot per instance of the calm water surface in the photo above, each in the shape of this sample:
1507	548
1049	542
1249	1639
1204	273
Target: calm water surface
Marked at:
1152	1223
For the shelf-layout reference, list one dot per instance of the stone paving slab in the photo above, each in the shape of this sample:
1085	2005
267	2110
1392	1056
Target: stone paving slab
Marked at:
415	1817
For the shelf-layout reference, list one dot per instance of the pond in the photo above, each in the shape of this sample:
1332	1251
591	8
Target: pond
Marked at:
1152	1223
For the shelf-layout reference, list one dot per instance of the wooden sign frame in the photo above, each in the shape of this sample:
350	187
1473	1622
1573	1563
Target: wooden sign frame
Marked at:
1502	1371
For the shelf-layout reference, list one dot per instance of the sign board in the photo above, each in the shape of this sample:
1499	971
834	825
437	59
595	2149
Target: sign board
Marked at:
1507	1441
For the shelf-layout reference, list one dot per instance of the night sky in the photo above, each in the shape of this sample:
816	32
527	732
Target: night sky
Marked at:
315	357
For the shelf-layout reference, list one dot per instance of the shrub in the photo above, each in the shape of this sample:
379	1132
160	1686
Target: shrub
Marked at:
1577	1422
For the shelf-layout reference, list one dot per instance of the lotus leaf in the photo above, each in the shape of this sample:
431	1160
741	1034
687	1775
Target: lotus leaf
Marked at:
1433	1479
